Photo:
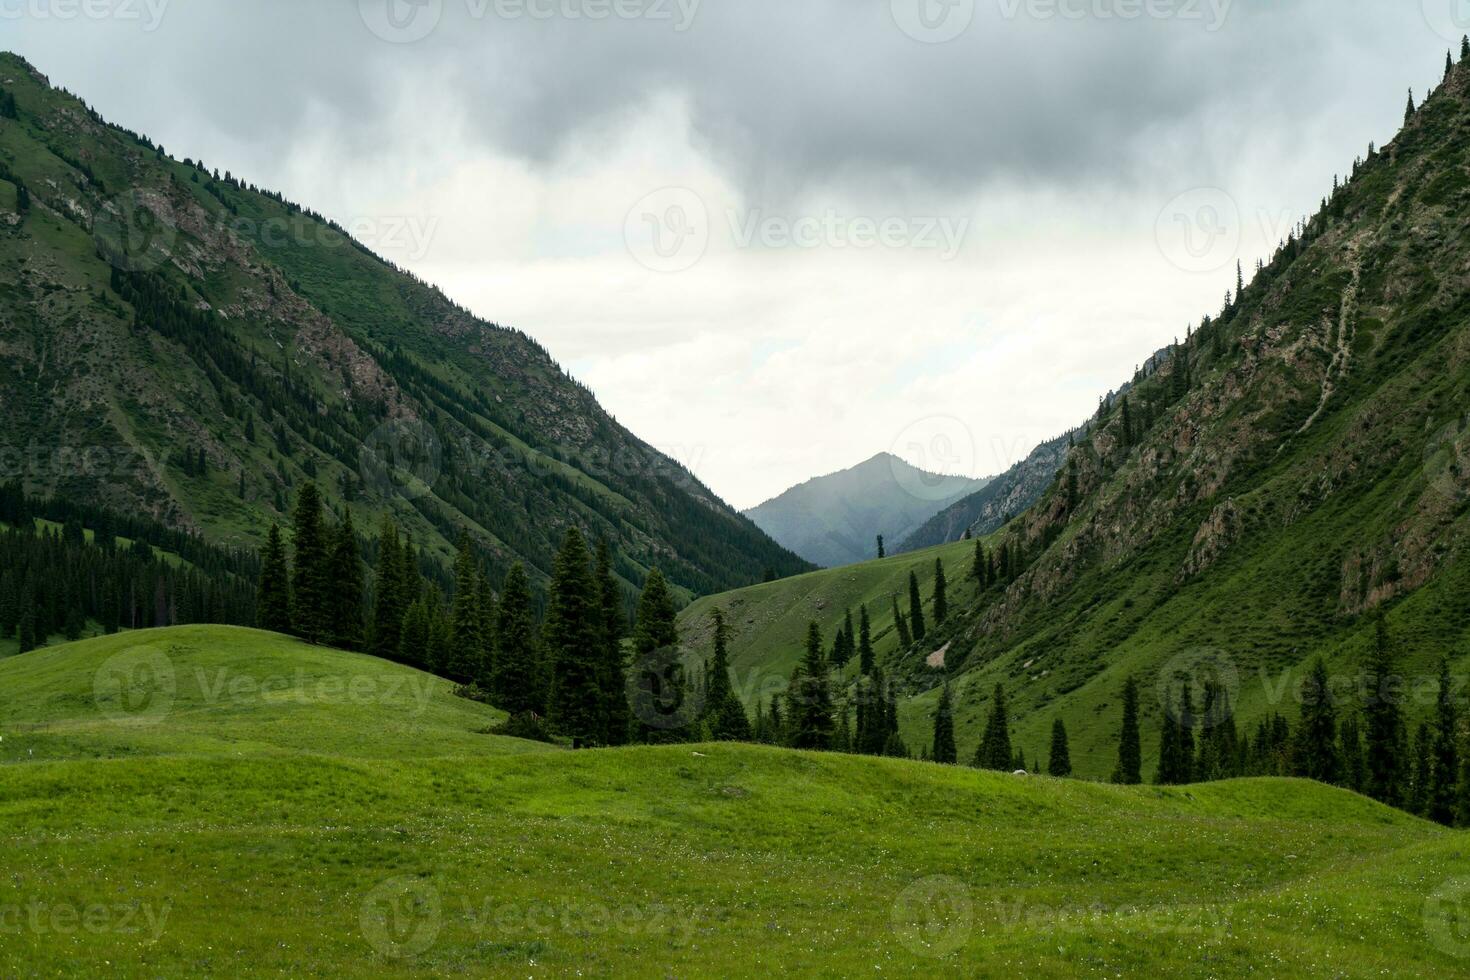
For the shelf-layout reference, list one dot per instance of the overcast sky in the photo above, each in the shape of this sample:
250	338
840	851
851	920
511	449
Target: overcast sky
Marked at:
777	237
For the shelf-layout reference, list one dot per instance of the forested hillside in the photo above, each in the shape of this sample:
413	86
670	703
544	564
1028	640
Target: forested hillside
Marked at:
178	344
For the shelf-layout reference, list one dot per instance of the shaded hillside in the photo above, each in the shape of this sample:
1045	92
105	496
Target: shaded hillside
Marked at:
997	502
177	343
836	519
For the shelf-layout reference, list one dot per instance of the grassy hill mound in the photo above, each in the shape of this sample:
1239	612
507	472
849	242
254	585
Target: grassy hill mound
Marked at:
219	690
323	838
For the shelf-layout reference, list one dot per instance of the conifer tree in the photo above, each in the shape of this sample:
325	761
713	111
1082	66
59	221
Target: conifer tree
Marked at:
573	635
1060	762
1409	112
994	751
944	748
1316	756
905	638
1449	64
812	710
466	641
1465	47
1446	751
1421	772
1219	749
345	597
485	679
1350	750
1130	750
881	553
413	636
916	610
28	630
1383	721
273	599
727	719
310	587
8	108
941	604
614	675
977	569
441	632
516	682
865	642
655	626
389	602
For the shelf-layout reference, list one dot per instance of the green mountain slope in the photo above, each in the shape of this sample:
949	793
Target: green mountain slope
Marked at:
209	851
835	520
156	315
1297	466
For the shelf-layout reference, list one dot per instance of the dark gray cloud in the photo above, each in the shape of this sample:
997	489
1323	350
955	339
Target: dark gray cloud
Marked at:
784	95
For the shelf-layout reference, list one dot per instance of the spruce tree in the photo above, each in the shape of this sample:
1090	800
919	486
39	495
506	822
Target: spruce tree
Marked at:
8	108
665	701
944	747
1383	721
573	635
516	681
1421	772
441	632
1167	773
812	710
916	610
727	719
614	674
941	605
655	626
977	567
881	553
345	597
1316	756
1059	763
1446	751
485	680
1350	751
310	587
994	751
413	636
389	603
865	642
905	638
27	630
1129	771
466	641
273	599
1409	112
1465	47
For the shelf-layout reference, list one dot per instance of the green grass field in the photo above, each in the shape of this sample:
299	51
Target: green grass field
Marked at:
212	801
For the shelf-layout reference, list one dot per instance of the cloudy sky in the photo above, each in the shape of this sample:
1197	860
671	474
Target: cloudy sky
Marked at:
778	236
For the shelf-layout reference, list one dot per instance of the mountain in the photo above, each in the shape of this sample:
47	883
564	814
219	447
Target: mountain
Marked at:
995	503
181	345
836	519
1298	467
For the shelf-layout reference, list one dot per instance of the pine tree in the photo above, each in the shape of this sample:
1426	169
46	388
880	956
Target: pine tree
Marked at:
941	605
273	599
944	747
812	712
573	632
1350	750
389	602
309	583
484	680
865	642
27	630
8	109
1059	763
1130	750
994	751
655	626
905	638
726	715
413	636
881	553
1446	751
516	682
345	597
614	675
977	569
916	610
1417	798
663	687
1167	773
441	632
466	641
1315	754
1409	112
1383	721
1465	47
